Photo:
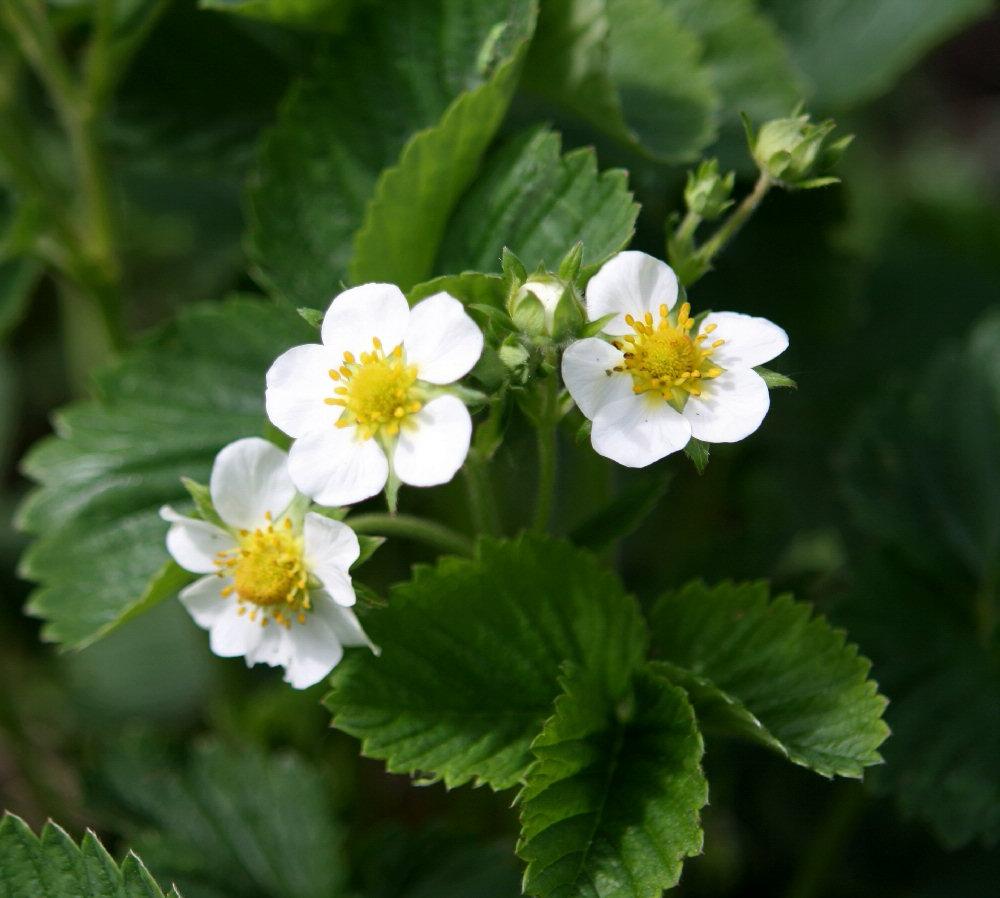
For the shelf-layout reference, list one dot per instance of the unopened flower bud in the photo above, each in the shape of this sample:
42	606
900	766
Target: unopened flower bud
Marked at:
707	193
535	305
796	153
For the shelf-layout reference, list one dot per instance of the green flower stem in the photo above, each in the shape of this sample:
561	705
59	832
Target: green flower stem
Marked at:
94	266
420	530
687	227
482	501
826	849
546	441
731	226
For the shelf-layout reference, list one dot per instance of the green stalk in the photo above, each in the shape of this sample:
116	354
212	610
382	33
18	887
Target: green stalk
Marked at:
482	501
420	530
736	219
547	445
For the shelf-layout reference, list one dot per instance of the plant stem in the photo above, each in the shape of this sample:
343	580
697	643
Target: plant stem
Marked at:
737	218
545	438
91	239
687	227
827	845
482	502
414	528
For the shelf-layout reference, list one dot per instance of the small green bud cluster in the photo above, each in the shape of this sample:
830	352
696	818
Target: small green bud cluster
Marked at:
707	194
796	153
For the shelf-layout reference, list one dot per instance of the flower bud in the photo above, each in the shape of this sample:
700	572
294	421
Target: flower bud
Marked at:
707	192
534	305
796	153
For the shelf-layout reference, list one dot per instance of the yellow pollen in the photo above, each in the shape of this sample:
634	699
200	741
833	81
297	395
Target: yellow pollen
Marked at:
664	358
378	391
267	572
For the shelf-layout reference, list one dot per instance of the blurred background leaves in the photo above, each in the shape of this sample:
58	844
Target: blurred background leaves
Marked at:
871	491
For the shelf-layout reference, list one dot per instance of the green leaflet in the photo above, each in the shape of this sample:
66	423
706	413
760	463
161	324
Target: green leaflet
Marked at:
355	140
610	807
852	50
237	820
631	69
323	15
53	866
406	217
471	658
539	204
767	670
922	479
160	414
749	64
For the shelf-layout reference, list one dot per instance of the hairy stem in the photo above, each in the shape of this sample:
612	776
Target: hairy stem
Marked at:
482	501
736	219
545	437
420	530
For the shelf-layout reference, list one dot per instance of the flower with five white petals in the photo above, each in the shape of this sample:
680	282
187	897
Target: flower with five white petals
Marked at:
373	394
276	587
662	379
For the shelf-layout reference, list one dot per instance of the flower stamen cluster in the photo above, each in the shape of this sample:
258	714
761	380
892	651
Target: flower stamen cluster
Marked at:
663	358
377	392
267	573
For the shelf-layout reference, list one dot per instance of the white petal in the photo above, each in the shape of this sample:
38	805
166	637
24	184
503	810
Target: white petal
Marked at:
203	600
442	340
633	283
297	383
358	314
434	445
250	478
731	407
331	547
334	467
585	367
274	648
342	621
234	634
315	650
193	543
749	342
639	430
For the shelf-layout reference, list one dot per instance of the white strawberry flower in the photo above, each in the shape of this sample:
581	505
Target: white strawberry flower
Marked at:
276	588
373	393
662	380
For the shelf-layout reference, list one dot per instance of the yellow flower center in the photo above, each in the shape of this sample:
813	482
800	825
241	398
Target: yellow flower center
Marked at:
268	574
377	392
664	359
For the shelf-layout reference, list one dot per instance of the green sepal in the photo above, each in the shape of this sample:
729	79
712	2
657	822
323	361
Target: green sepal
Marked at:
698	451
775	380
569	267
568	317
369	546
203	502
312	316
593	328
512	267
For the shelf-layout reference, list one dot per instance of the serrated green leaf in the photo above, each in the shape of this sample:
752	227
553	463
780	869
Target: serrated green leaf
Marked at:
767	669
475	290
539	204
354	139
853	50
471	658
407	216
747	60
321	15
630	68
611	805
161	413
923	482
239	820
53	866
